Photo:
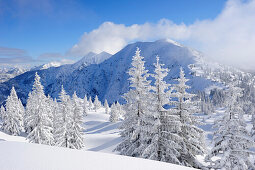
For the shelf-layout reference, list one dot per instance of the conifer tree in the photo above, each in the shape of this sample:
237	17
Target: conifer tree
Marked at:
120	110
90	103
76	124
38	118
232	141
55	115
50	106
63	132
136	107
2	112
13	114
165	129
114	114
106	106
29	111
192	136
97	104
85	106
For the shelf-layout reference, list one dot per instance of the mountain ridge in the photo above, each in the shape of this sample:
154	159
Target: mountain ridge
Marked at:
109	79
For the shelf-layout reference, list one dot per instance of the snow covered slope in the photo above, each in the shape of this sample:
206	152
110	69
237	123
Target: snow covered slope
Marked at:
26	156
100	136
109	79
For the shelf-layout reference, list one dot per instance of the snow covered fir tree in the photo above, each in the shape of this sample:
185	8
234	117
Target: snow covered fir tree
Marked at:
12	114
76	124
165	145
137	107
106	106
192	136
232	141
97	104
38	118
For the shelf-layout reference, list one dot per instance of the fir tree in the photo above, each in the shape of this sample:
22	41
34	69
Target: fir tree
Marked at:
50	106
165	126
39	119
29	111
13	115
114	114
77	140
106	106
120	110
232	142
97	104
63	132
85	106
192	136
136	107
2	112
90	103
55	115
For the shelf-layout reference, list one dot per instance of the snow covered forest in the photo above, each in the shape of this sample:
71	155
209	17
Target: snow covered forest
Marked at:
158	121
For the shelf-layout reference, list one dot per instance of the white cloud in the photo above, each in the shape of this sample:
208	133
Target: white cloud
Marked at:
112	37
229	38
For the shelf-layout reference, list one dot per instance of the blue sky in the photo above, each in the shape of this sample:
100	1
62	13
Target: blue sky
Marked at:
47	26
45	30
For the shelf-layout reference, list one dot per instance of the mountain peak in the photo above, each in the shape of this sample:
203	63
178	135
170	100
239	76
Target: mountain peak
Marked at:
170	41
92	58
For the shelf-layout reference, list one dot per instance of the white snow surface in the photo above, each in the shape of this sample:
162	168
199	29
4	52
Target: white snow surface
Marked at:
100	135
25	156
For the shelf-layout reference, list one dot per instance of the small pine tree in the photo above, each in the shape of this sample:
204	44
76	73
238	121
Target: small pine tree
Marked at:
39	119
232	142
77	139
13	115
97	104
120	110
2	112
85	106
114	114
90	103
106	106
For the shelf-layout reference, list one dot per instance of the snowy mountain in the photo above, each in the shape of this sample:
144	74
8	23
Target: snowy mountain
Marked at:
8	73
46	66
109	79
92	58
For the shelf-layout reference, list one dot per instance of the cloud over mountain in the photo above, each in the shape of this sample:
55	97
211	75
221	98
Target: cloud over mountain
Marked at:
228	38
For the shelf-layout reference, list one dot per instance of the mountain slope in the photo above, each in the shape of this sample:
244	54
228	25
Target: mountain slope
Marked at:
109	78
